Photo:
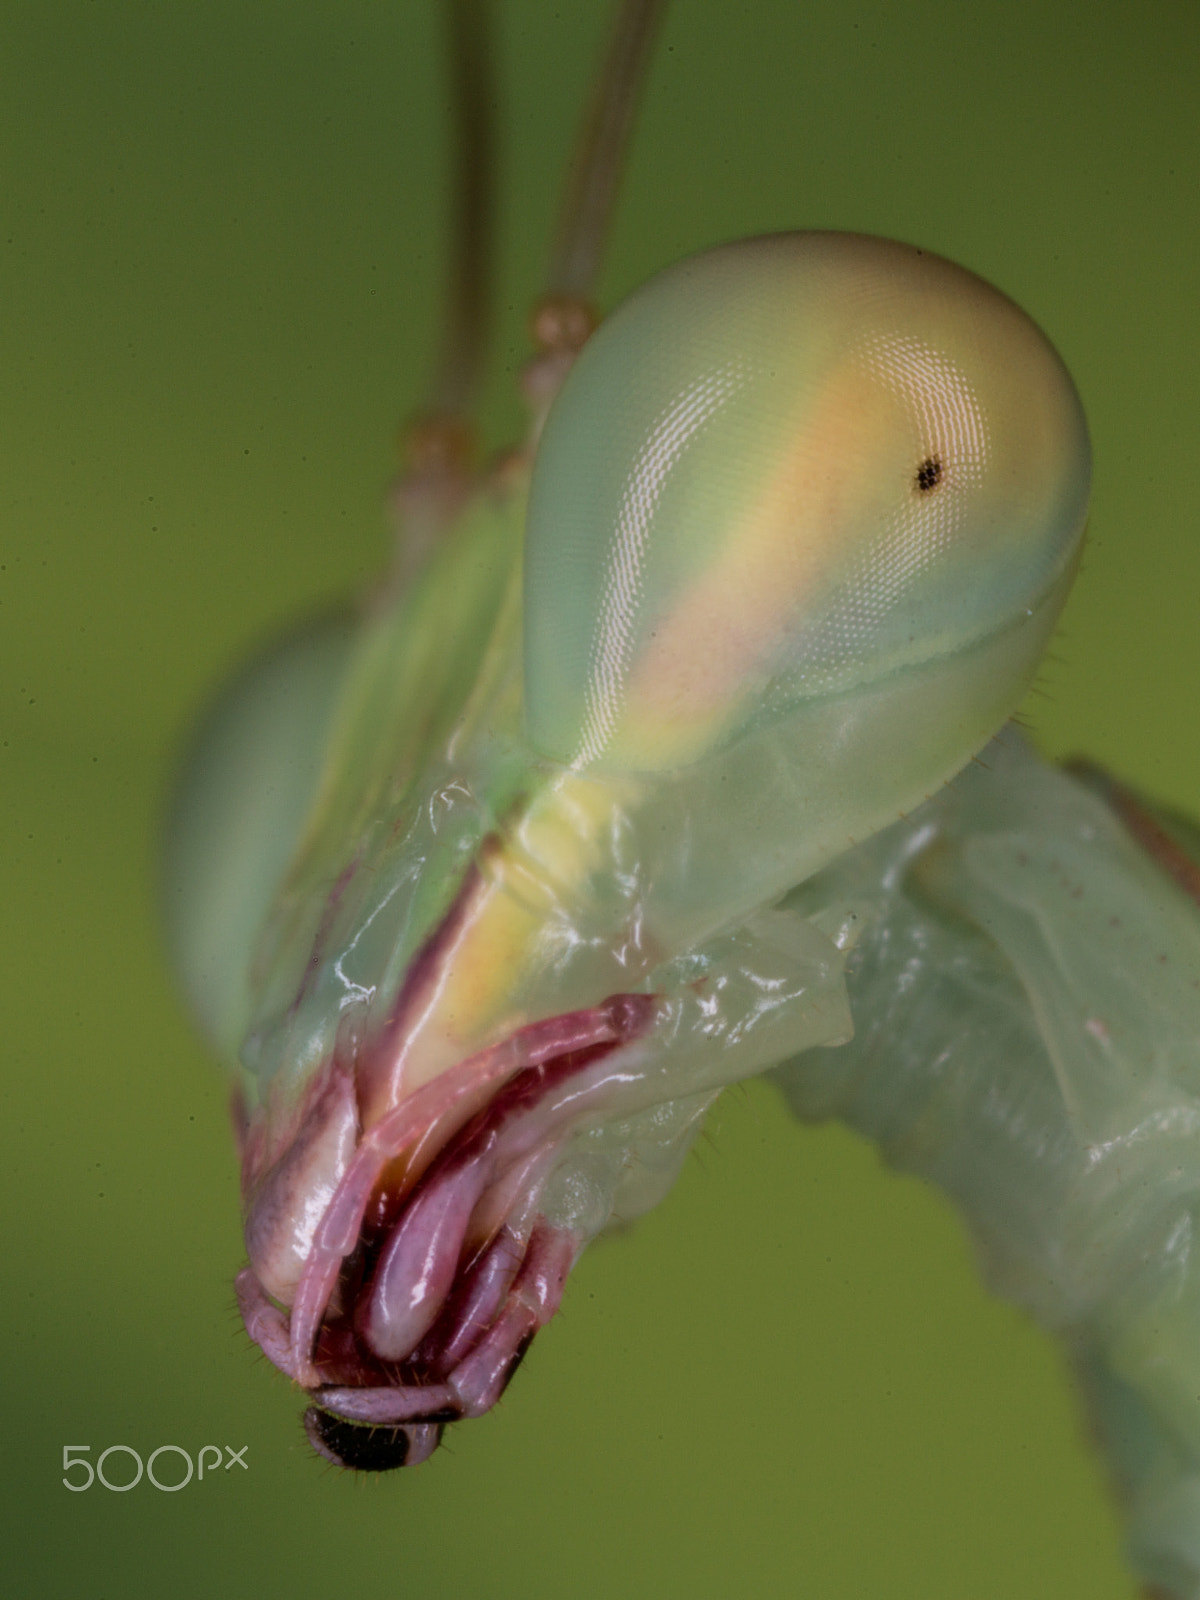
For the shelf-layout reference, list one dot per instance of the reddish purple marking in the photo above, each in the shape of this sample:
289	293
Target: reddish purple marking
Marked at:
479	1380
423	1121
1145	828
458	1269
423	969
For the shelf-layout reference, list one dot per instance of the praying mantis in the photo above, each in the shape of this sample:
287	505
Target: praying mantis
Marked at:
586	1040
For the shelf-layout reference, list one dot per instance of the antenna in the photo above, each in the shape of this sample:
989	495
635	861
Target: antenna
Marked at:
564	317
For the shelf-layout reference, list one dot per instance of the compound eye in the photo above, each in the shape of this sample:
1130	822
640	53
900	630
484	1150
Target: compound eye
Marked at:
240	806
792	469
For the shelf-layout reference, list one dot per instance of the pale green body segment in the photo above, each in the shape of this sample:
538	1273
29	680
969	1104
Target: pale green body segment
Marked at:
1026	1004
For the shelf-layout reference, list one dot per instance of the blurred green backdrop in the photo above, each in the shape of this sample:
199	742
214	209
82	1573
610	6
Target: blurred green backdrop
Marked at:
222	244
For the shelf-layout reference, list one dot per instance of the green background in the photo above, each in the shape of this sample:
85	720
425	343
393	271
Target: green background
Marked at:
222	247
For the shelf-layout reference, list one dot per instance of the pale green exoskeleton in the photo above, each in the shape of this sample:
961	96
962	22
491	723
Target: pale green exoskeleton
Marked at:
630	783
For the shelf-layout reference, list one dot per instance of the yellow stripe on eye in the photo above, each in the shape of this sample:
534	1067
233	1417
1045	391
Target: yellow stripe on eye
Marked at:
799	546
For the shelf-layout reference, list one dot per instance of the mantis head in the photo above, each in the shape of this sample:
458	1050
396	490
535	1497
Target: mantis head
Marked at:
798	528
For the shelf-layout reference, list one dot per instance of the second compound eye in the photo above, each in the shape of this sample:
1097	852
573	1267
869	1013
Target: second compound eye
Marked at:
789	469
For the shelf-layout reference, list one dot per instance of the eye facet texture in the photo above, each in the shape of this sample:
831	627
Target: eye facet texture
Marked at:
792	469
